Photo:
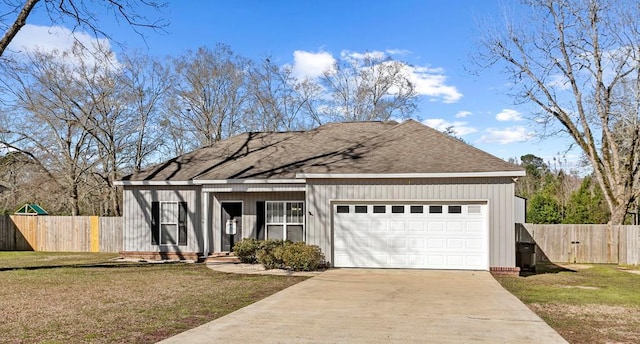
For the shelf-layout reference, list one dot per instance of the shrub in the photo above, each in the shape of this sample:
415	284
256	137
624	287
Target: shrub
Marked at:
265	254
246	250
299	256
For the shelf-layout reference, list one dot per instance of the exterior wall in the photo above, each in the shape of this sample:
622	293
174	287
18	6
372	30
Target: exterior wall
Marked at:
498	192
248	200
137	217
520	210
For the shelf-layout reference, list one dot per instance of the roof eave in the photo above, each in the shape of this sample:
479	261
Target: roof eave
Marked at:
153	182
207	182
411	175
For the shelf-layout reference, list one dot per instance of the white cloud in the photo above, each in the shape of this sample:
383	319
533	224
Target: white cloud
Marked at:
429	82
57	40
398	51
509	115
463	114
374	55
311	65
559	82
48	38
506	135
459	127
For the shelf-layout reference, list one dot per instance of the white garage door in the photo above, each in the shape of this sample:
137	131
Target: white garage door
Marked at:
427	236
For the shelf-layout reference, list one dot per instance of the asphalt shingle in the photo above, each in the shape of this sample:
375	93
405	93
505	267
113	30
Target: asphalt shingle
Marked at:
340	148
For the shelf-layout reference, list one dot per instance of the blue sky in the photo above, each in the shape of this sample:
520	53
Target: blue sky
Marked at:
436	38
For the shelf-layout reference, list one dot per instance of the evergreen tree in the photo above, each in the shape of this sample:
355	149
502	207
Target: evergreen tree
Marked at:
586	205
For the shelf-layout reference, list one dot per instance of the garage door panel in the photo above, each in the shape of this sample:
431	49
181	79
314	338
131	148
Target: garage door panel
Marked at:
398	243
455	226
455	260
415	226
475	244
436	243
416	243
474	227
397	260
398	226
412	239
455	244
435	226
379	225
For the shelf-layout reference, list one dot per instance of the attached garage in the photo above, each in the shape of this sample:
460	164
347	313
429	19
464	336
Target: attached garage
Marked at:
423	235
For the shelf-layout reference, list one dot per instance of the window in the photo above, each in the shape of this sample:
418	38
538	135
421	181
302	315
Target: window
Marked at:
285	220
435	209
169	223
342	209
416	209
379	209
474	209
397	209
361	209
455	209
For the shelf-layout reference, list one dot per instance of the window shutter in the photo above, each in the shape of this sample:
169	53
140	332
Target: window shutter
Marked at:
155	222
260	219
182	224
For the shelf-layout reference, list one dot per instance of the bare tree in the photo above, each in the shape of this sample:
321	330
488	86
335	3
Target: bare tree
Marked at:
146	84
279	101
368	88
91	121
210	95
81	14
50	130
578	61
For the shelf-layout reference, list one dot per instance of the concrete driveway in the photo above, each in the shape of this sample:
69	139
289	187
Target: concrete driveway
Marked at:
382	306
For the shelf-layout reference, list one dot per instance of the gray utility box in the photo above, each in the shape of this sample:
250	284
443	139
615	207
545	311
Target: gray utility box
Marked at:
526	256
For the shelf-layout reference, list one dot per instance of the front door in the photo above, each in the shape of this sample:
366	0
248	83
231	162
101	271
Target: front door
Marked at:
231	216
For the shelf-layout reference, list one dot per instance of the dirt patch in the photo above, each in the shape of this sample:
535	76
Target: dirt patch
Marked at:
603	323
631	271
576	267
583	287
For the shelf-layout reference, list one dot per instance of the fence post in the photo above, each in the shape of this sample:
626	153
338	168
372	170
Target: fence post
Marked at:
95	234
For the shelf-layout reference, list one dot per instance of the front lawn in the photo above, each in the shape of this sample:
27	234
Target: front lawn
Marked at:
588	304
81	298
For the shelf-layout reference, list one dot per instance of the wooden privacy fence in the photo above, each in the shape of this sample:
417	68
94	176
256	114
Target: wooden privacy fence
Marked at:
60	233
583	243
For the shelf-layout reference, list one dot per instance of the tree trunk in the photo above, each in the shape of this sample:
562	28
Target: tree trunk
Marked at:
619	213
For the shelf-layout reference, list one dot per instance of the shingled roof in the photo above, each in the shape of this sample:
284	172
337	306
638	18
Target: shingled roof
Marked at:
335	148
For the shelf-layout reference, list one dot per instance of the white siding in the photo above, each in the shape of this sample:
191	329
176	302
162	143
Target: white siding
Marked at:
497	192
137	217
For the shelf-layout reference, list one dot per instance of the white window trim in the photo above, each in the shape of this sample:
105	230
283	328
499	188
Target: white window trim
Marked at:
176	223
284	223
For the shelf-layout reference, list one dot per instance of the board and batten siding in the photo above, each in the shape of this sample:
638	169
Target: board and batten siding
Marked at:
498	192
137	217
249	211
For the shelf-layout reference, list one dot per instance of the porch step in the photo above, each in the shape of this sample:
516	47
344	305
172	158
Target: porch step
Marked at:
222	258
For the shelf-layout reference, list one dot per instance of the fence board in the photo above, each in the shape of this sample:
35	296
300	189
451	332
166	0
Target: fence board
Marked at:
110	234
59	233
585	243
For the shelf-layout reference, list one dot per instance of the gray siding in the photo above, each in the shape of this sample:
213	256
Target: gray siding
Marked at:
137	217
249	200
520	208
498	192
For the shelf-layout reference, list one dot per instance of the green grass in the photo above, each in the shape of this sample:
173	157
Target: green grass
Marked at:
98	301
596	304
